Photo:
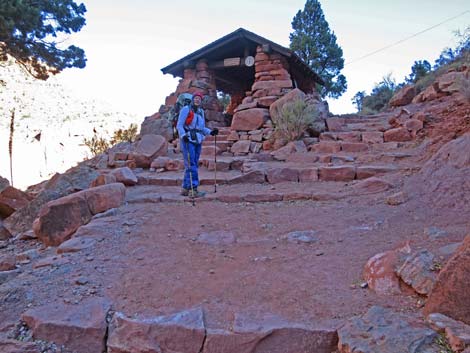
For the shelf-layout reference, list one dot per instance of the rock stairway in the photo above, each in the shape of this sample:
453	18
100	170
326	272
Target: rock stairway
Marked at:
354	149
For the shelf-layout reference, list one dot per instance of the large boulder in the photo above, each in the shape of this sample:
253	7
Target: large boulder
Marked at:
449	295
60	218
250	119
11	200
147	149
404	96
156	125
73	180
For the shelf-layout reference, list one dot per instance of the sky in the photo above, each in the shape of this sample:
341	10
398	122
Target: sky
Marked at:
127	42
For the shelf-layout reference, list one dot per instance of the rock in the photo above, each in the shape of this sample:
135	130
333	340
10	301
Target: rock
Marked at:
125	175
241	147
183	332
367	171
157	126
255	177
250	119
276	108
305	236
269	335
7	263
354	146
449	295
73	180
403	97
159	162
3	183
56	260
105	197
416	271
413	126
282	174
76	244
268	85
326	147
457	333
147	149
382	330
103	179
219	237
379	271
60	218
399	134
14	346
283	153
372	137
307	175
434	233
81	328
4	233
337	173
12	199
396	199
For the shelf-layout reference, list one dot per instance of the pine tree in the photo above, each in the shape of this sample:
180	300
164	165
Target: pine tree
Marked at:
314	42
31	32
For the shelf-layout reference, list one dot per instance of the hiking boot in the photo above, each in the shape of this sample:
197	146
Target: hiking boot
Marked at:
195	193
184	192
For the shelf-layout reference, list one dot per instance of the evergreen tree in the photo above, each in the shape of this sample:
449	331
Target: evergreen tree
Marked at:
418	70
358	100
314	42
31	32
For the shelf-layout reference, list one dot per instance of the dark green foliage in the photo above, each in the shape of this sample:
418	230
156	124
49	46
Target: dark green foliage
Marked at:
358	99
314	42
380	96
29	32
418	70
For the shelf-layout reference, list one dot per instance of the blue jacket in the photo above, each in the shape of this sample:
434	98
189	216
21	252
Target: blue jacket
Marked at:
198	124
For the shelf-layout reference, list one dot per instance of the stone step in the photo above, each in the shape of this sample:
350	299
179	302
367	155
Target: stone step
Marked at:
262	172
219	138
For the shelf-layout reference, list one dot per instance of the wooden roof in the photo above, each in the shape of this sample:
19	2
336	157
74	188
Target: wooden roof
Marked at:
239	44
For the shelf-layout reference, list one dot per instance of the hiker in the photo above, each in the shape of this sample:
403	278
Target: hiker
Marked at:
192	131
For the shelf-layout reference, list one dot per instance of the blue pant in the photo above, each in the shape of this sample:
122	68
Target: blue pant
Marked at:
192	167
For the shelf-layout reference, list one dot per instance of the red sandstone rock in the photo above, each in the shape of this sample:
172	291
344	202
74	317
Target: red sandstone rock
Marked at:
103	179
365	171
125	175
326	147
276	107
354	147
182	332
105	197
457	333
282	174
449	295
60	218
414	125
147	149
81	328
372	137
337	173
371	185
308	174
416	271
240	147
76	244
7	263
12	199
403	97
379	272
399	134
250	119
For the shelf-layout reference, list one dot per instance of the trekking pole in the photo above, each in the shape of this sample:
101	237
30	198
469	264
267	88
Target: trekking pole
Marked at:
190	174
215	163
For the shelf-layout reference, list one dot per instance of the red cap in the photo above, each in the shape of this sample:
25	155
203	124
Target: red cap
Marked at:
198	94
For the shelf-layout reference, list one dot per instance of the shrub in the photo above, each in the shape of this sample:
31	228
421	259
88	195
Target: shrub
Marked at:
294	119
125	135
97	144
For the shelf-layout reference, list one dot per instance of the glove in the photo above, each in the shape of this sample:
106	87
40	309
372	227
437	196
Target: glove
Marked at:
185	139
214	132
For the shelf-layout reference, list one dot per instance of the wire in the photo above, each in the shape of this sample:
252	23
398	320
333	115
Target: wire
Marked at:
405	39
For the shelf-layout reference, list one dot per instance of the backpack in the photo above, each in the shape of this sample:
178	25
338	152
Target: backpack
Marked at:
183	100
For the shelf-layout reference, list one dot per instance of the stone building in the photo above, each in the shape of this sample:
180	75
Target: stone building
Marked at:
253	70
